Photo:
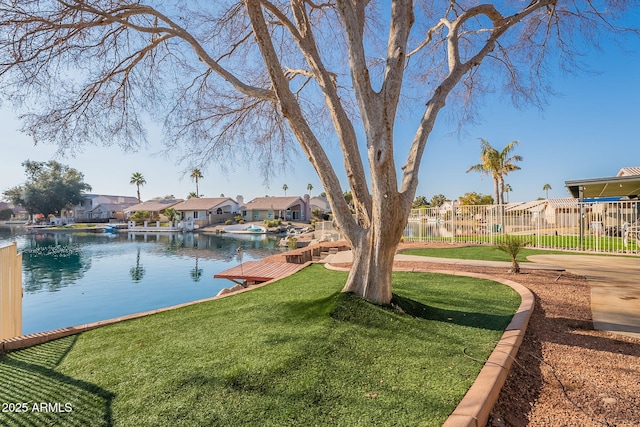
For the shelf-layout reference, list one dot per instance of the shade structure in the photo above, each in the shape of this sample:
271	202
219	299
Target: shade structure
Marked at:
618	186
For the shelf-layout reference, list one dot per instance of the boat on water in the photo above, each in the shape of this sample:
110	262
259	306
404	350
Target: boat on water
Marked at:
110	229
245	229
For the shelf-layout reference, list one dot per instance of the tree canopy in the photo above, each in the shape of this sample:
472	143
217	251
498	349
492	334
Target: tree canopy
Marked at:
249	78
420	202
474	198
50	188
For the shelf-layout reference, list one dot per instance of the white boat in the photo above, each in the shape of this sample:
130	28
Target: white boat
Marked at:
245	229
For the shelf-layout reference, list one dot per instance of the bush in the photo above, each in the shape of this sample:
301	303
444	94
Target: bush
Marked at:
293	243
270	223
228	222
140	216
5	214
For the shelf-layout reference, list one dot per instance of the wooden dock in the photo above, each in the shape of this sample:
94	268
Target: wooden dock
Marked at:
258	271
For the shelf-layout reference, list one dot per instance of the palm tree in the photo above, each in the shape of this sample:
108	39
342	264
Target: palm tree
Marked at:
285	188
507	189
309	188
497	164
546	188
196	174
138	180
511	245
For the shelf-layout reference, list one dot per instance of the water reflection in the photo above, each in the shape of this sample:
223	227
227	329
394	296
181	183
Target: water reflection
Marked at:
52	262
137	272
195	272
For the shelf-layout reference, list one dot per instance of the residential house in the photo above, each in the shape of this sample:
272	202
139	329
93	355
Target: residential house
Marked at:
89	210
18	213
543	213
207	210
155	207
293	208
321	204
633	171
105	212
319	207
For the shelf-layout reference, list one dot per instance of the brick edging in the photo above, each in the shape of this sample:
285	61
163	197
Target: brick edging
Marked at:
476	405
29	340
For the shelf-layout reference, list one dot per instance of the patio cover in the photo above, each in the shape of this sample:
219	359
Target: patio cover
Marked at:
628	186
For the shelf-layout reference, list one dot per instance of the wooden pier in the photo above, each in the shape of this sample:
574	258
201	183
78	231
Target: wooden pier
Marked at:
258	271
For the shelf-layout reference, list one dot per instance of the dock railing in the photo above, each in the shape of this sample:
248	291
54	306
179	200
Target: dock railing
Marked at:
562	224
10	292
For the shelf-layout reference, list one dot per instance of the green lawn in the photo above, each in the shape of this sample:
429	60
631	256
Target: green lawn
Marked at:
296	352
564	243
478	252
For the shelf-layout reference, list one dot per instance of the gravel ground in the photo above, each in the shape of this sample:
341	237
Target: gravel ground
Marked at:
566	373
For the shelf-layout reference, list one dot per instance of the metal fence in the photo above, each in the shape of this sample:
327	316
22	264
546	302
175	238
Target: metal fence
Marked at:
10	292
327	232
563	224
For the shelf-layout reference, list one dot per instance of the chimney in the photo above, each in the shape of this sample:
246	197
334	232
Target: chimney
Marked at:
240	200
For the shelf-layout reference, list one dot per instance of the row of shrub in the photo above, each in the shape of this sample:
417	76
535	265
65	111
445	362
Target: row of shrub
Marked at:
270	223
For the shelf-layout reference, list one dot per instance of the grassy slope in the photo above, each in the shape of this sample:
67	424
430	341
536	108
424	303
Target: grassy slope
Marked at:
296	352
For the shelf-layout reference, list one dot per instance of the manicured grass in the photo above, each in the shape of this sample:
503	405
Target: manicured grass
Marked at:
296	352
564	243
478	252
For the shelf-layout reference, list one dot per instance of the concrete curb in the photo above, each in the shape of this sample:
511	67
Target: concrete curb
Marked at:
24	341
476	405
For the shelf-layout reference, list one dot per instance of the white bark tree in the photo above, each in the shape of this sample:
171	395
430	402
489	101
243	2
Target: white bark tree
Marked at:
252	76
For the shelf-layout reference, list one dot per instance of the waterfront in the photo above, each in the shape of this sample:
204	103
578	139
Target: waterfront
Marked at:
76	278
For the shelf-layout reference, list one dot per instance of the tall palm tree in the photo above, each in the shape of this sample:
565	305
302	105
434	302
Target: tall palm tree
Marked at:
138	180
196	174
546	188
309	188
497	164
285	188
508	189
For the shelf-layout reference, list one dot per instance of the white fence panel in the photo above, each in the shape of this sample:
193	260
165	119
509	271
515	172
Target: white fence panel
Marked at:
563	224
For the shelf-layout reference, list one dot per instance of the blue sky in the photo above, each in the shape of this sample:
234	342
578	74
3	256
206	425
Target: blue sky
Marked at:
591	130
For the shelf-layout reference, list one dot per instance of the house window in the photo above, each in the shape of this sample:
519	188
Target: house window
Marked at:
219	211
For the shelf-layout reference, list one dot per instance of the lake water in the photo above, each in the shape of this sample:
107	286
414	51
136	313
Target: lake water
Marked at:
75	278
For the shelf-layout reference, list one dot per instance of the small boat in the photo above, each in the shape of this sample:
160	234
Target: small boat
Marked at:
111	229
245	229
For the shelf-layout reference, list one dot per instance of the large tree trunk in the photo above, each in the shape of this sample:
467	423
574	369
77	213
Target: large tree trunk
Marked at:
375	243
370	275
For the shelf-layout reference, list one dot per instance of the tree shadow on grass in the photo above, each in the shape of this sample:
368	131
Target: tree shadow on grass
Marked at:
494	322
43	396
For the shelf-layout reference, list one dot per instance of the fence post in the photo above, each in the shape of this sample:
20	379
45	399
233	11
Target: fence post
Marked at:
10	292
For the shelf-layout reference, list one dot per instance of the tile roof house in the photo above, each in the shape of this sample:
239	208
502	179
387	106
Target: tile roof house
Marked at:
319	203
267	208
88	211
633	171
155	206
207	210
